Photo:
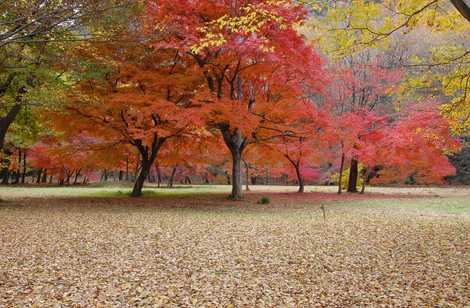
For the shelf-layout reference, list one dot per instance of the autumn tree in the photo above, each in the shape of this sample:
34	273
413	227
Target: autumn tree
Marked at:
360	87
307	147
33	37
254	61
414	144
134	94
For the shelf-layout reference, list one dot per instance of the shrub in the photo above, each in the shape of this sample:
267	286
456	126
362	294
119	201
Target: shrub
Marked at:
264	200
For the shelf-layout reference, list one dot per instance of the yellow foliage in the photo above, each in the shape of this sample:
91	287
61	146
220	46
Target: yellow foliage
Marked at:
251	22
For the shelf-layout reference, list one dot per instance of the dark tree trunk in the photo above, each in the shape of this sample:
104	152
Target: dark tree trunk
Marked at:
77	174
300	178
139	182
23	175
365	175
121	175
341	170
6	121
463	8
104	176
298	173
247	175
38	179
353	175
236	144
5	176
10	117
172	177
44	176
236	177
148	157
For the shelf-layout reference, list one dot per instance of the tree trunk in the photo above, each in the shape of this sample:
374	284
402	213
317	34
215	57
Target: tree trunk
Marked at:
353	175
365	179
6	121
121	175
236	144
462	7
237	185
127	168
300	178
77	174
341	170
247	175
146	164
68	175
139	182
172	177
38	179
205	176
23	175
5	176
104	176
44	176
18	170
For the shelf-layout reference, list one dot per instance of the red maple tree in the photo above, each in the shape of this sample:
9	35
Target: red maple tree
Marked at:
255	63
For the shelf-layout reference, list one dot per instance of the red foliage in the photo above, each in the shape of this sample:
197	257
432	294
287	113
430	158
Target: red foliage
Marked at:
256	65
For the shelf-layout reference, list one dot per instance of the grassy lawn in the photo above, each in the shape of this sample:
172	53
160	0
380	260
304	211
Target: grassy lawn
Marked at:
192	247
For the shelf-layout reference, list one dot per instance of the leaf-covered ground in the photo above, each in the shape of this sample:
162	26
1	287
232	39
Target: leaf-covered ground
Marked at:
184	250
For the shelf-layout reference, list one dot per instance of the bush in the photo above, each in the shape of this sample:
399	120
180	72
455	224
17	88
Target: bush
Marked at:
264	200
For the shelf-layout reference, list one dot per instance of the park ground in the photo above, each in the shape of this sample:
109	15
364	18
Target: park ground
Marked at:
191	247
